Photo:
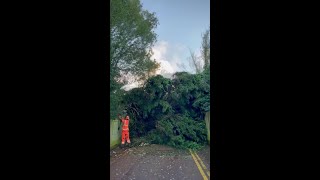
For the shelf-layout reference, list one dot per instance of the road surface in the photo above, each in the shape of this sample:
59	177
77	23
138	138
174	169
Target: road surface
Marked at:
154	162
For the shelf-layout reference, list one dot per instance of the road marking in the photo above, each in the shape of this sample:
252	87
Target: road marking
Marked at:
202	164
198	165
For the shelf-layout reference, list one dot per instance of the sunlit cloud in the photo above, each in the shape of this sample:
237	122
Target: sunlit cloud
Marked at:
171	56
172	59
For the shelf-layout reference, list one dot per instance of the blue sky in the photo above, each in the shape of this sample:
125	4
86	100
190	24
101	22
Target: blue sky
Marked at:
181	23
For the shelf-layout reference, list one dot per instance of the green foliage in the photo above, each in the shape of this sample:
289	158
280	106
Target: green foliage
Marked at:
168	111
132	36
179	131
116	103
171	111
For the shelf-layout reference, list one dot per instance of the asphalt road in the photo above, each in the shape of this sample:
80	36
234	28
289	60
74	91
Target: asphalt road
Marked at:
155	162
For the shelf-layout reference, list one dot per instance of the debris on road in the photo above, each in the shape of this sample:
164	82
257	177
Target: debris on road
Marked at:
144	144
151	161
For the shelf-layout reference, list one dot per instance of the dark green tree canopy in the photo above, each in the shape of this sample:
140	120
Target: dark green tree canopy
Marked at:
131	38
171	111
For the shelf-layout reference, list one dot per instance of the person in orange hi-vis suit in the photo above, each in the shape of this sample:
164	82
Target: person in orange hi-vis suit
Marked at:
125	130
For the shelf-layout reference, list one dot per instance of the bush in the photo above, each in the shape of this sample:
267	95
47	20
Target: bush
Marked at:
179	131
170	111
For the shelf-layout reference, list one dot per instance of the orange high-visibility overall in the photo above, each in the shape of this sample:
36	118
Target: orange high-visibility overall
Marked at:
125	131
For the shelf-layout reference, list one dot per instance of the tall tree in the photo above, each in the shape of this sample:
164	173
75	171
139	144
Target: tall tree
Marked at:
195	62
205	49
132	36
198	64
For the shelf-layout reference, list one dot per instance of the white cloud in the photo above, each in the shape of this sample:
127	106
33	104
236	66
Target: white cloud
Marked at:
169	55
160	49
